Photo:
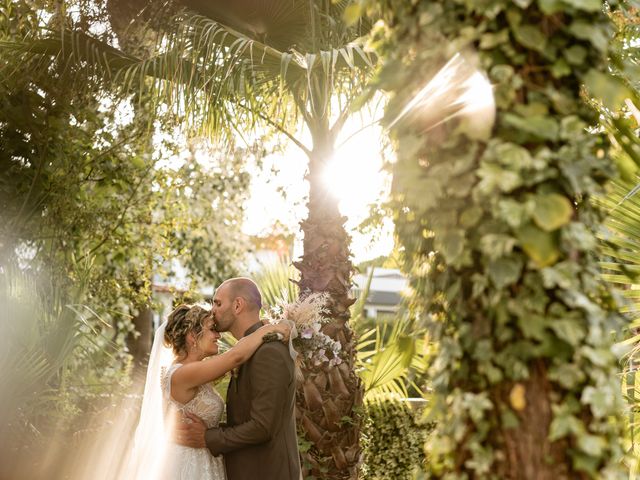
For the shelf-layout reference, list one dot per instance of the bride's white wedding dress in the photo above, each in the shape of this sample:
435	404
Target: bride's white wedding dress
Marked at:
185	463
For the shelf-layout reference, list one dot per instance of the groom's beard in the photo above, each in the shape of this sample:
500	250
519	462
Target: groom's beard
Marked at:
223	323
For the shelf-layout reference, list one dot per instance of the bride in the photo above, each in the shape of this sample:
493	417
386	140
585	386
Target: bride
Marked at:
182	364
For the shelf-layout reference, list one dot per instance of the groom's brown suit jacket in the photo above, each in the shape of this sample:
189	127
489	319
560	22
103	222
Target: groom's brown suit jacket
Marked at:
259	440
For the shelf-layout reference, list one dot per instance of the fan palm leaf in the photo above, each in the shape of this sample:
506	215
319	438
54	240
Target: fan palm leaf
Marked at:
216	76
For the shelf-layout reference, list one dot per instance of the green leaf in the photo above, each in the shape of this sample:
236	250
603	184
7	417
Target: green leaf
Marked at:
552	211
513	212
563	425
496	245
596	34
611	90
451	245
586	463
504	271
470	217
532	326
513	156
539	245
602	400
494	177
591	444
560	69
541	126
571	127
492	40
531	37
571	331
550	7
568	375
586	5
575	54
563	275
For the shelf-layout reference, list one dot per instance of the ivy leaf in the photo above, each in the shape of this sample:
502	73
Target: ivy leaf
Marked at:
586	5
591	444
575	54
560	69
451	245
550	7
532	326
493	177
504	271
512	212
607	88
563	275
552	211
568	375
470	217
539	245
571	126
541	126
563	425
596	34
531	37
492	40
602	400
513	156
496	245
517	397
571	331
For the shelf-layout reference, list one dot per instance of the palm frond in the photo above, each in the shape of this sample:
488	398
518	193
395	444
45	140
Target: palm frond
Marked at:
386	366
276	282
215	76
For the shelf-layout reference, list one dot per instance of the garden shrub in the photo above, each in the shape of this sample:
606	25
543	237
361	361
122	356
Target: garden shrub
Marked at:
392	439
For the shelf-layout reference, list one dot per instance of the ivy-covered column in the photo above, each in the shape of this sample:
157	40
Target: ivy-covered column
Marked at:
498	237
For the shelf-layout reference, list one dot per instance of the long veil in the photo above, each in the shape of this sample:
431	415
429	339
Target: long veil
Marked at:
150	438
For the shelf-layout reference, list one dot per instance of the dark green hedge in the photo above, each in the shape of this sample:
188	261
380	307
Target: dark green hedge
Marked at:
392	440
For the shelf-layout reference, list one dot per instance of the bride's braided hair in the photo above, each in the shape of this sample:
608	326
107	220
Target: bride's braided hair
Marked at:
184	319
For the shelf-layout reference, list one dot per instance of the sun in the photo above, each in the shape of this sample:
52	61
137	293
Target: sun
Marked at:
354	174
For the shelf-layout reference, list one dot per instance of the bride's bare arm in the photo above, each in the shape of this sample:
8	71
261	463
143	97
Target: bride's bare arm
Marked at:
194	374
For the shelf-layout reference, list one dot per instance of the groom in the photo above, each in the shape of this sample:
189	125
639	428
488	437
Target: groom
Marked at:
259	440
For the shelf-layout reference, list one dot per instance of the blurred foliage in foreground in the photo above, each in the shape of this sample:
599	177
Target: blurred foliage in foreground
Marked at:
498	230
98	196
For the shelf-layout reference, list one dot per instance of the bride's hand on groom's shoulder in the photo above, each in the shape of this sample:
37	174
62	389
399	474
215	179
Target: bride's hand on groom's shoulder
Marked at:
281	329
190	433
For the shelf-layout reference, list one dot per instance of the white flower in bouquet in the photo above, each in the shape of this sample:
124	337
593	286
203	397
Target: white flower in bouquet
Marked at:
309	314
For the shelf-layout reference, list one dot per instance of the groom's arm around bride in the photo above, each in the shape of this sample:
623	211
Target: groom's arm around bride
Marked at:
259	441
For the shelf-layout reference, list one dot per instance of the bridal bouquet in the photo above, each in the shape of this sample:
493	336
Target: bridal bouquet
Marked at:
309	314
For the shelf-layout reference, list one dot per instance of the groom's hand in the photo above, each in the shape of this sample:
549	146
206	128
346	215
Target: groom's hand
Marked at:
191	434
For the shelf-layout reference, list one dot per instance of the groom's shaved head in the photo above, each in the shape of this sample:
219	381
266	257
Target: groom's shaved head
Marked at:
245	288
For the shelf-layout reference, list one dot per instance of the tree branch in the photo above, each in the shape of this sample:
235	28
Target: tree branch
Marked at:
281	129
122	215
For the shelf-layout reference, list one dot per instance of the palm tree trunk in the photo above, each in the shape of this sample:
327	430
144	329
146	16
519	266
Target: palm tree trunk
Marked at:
329	395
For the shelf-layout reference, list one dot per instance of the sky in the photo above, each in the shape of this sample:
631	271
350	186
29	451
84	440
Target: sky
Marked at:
355	176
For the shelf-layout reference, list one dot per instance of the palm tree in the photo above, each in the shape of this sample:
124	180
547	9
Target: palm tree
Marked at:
228	69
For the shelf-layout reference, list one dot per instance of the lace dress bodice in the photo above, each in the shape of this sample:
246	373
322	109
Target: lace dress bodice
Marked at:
207	404
185	463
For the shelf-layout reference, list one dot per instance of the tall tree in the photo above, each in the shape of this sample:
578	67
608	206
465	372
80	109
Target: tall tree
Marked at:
255	64
81	186
499	236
